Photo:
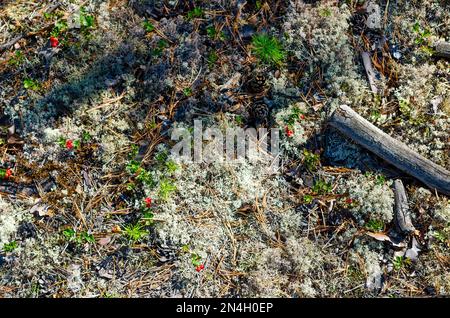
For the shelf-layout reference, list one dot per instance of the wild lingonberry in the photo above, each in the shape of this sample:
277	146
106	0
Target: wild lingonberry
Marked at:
148	202
53	41
289	132
199	267
69	144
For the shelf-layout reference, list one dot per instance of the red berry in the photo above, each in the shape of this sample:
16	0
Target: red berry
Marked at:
349	201
69	144
8	173
302	116
199	267
148	202
54	41
289	132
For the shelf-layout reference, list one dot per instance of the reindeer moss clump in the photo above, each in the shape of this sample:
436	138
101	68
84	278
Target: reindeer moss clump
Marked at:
372	197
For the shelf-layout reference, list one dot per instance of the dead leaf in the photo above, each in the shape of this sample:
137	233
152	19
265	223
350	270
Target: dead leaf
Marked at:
104	240
379	236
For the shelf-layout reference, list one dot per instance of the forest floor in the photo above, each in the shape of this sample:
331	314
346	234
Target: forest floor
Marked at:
93	203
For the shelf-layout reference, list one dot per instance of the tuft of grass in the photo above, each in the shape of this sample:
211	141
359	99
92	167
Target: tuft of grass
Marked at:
268	49
135	232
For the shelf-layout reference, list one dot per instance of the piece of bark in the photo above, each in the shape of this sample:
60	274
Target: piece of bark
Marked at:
351	124
367	62
401	208
442	49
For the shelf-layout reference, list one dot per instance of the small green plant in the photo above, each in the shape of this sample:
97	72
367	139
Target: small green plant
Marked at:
9	247
268	49
133	151
212	58
440	236
171	166
148	27
148	218
295	115
133	166
195	13
78	237
311	160
239	119
401	262
354	273
326	12
187	91
380	179
166	188
307	198
145	177
161	157
215	34
404	107
69	234
196	259
59	28
135	232
160	46
29	83
375	225
422	34
86	136
322	187
87	21
17	58
375	115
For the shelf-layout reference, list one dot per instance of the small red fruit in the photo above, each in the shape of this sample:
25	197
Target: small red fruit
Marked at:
54	41
8	173
148	202
200	267
69	144
302	116
349	201
289	132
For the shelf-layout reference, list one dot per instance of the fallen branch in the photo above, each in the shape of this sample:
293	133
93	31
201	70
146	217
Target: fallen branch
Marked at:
348	122
367	62
401	208
442	49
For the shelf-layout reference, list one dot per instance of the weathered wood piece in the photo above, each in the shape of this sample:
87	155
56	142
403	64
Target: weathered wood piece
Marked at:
351	124
367	62
442	49
401	208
